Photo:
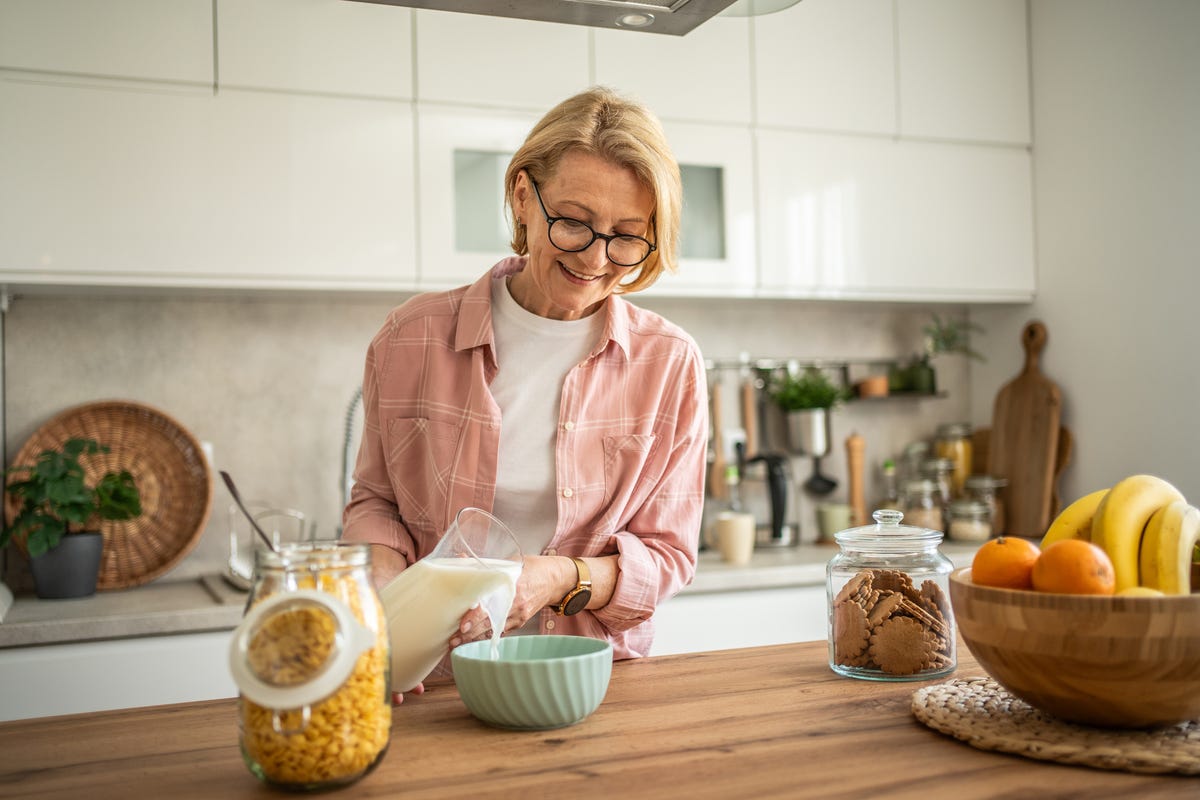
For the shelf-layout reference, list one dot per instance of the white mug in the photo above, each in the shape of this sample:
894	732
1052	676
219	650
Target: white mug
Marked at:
735	536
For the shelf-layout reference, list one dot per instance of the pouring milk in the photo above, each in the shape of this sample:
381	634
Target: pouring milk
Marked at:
426	602
476	562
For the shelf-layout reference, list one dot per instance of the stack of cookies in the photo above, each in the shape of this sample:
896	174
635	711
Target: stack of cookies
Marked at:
881	621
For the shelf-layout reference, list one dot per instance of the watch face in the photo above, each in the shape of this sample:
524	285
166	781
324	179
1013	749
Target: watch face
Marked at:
578	602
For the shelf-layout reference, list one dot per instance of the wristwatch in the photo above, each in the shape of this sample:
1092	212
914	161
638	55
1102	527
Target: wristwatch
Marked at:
577	599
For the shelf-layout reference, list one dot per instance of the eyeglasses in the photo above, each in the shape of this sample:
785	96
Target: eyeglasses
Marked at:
573	236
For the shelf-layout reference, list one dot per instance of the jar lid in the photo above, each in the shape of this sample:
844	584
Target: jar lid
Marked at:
888	534
967	508
938	465
919	486
954	430
984	482
296	648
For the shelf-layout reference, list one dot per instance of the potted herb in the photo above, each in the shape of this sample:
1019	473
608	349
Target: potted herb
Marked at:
942	336
806	398
57	517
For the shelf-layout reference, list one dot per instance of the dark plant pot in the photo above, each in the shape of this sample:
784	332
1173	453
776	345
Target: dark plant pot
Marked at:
69	570
923	379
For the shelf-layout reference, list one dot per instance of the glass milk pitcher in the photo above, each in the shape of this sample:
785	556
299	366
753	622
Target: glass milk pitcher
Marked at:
477	561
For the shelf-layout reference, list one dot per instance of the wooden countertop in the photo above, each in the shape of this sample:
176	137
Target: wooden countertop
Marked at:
753	723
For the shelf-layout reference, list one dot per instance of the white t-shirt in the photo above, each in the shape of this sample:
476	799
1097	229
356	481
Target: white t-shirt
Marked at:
534	355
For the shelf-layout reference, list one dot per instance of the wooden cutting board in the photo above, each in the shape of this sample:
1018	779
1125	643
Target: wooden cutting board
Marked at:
1024	442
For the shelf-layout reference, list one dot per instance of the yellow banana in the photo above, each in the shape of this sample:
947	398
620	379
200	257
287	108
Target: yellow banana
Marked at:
1166	558
1075	521
1121	518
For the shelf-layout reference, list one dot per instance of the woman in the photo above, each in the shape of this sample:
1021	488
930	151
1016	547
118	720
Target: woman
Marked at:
540	394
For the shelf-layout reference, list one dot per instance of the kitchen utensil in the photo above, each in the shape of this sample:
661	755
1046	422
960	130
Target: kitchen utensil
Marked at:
237	498
1024	440
716	470
534	682
777	490
750	418
856	448
171	473
1122	662
1062	457
818	483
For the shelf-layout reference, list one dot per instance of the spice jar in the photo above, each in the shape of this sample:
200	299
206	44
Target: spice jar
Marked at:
939	471
310	659
986	489
953	442
969	521
888	590
922	506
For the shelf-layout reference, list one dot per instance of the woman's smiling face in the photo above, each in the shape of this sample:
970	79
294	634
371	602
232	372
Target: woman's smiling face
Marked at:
609	198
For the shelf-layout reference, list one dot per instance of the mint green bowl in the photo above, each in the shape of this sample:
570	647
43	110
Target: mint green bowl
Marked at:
538	682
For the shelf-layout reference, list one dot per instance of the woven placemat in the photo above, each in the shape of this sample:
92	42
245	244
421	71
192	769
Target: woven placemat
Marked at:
983	714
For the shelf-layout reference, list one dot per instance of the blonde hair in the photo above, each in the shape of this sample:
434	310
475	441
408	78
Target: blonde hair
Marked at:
624	132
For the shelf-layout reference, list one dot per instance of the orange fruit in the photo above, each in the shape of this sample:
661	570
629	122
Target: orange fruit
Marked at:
1073	566
1006	562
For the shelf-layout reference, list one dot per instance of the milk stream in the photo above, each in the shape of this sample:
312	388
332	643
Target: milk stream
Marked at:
426	602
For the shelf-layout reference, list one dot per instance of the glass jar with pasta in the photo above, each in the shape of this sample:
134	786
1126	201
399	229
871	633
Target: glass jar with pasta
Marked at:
310	660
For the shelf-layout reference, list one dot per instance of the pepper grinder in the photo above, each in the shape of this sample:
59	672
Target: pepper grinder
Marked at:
856	448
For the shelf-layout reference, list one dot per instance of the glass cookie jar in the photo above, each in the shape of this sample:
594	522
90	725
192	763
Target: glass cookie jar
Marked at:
889	602
310	659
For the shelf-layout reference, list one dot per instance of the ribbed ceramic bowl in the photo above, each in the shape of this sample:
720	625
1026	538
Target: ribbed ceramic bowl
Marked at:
1120	662
537	683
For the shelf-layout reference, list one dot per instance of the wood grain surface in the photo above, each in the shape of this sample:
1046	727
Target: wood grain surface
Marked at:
1023	444
754	723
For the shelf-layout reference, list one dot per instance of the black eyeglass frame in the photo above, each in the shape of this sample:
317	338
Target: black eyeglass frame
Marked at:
607	237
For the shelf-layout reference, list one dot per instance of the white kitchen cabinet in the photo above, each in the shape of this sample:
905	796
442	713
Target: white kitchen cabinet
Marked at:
499	62
827	65
703	76
690	623
111	186
463	155
964	70
124	673
717	253
322	46
863	218
139	39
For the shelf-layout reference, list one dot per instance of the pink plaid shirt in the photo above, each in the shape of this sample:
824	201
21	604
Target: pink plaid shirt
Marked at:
629	457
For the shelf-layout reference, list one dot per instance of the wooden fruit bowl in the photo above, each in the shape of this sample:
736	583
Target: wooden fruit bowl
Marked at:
1119	662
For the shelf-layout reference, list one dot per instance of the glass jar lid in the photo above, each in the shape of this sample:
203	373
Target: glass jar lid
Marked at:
888	534
954	430
934	466
969	509
919	487
984	482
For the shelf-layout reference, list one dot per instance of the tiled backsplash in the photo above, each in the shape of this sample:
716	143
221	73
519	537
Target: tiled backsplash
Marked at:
267	379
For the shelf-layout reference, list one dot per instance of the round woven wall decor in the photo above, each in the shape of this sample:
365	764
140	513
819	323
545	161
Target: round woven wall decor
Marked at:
168	467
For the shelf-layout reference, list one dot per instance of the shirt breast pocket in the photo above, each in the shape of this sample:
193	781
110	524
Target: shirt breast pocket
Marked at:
627	461
420	457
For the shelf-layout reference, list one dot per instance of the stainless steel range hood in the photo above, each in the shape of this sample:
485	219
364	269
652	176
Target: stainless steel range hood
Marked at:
675	17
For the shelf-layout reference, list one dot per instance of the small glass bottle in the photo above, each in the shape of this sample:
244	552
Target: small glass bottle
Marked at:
969	521
953	442
889	605
891	490
922	506
311	662
986	489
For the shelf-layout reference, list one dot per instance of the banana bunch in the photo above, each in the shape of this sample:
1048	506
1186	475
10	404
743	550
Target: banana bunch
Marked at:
1144	524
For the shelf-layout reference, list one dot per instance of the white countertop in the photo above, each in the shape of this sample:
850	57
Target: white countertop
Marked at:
210	604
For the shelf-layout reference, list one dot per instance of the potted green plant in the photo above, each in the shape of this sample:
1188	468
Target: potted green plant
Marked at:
57	516
806	397
942	336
